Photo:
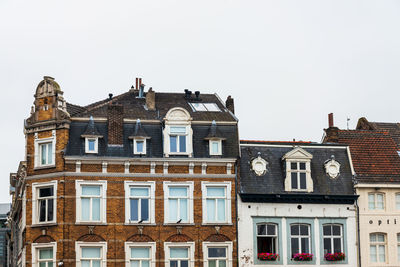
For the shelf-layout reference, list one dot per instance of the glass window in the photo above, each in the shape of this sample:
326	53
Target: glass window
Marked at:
398	201
177	139
376	201
216	200
300	238
205	107
333	238
45	204
178	204
139	201
398	247
377	247
45	257
179	257
140	256
91	202
91	257
298	175
92	144
46	153
139	146
267	238
211	107
217	257
215	147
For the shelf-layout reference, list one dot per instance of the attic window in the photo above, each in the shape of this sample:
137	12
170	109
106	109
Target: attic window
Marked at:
205	107
298	170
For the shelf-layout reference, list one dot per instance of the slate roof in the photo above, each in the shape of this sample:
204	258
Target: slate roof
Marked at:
374	155
91	129
270	186
139	130
134	108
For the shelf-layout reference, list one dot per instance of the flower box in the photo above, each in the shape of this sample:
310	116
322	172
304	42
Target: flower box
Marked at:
338	256
267	256
303	257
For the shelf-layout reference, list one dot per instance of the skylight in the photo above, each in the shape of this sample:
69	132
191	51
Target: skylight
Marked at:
204	107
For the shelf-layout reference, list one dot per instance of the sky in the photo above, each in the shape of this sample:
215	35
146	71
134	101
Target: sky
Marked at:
287	64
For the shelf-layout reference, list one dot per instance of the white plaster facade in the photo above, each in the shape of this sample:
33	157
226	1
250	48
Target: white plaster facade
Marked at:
251	213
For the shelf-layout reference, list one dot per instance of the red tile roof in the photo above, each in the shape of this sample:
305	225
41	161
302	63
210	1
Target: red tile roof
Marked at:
374	154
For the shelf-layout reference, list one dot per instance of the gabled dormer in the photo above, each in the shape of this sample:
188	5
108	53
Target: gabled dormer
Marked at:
214	138
91	136
139	138
298	171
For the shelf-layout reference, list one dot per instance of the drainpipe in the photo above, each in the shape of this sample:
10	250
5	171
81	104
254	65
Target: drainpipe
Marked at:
236	214
358	234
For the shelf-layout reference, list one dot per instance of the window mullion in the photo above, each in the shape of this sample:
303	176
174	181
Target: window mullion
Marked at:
139	209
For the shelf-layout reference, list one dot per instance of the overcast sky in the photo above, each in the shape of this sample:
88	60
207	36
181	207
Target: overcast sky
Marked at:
287	64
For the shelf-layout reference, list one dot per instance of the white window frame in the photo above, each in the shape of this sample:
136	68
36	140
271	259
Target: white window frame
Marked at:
229	251
178	135
298	155
35	247
151	186
331	237
135	151
178	117
189	245
151	245
397	201
228	200
96	145
398	246
376	201
103	201
38	155
219	142
276	236
376	244
35	200
299	237
101	245
166	186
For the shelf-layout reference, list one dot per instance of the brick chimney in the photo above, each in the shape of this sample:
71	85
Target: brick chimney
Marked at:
115	124
332	133
151	99
230	105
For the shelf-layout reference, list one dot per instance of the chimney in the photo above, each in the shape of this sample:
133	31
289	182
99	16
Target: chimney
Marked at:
115	124
230	105
151	99
332	133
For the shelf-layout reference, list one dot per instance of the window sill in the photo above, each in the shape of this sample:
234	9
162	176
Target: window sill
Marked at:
44	167
90	223
141	224
44	224
179	224
216	223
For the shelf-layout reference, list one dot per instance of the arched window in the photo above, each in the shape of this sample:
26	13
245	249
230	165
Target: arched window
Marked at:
333	238
178	133
267	238
300	238
377	247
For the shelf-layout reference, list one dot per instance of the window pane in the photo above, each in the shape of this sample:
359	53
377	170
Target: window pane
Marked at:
95	263
304	245
134	209
303	230
212	263
382	253
371	201
145	209
372	237
327	230
139	191
50	209
398	238
379	202
184	263
372	253
302	166
173	210
49	153
46	254
294	229
293	165
215	147
91	143
139	146
140	253
294	180
211	107
271	229
173	143
85	209
381	238
337	245
178	130
96	209
336	230
398	203
266	244
211	210
173	263
182	143
295	246
217	252
42	264
398	252
222	263
303	184
198	106
221	209
91	190
46	192
91	252
184	210
178	252
42	210
178	191
44	153
135	263
216	191
261	229
327	245
145	263
50	264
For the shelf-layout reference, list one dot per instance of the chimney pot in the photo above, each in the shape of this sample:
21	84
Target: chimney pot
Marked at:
330	120
230	104
110	96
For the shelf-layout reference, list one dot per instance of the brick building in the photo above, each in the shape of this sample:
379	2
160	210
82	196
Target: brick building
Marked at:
139	179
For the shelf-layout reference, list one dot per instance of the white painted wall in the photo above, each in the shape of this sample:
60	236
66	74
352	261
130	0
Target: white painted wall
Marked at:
248	211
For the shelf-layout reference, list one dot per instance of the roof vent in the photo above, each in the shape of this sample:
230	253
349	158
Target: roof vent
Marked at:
188	94
110	96
197	93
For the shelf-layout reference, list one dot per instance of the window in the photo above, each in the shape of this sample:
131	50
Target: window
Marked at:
267	238
218	254
376	201
139	146
205	107
91	254
333	238
139	202
179	254
215	147
44	202
298	175
398	247
179	202
140	254
44	254
91	201
45	151
91	145
300	238
177	139
398	201
216	202
377	247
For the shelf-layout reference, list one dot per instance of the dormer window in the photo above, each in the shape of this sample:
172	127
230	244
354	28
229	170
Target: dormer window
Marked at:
215	139
139	146
298	170
215	147
139	137
91	145
178	133
177	139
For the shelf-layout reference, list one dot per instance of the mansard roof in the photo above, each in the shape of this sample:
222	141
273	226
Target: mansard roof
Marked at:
269	187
